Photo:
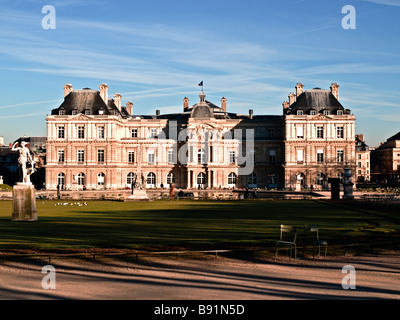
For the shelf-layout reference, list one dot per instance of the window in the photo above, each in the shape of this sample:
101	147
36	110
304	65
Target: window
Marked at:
326	112
61	180
61	112
81	155
133	133
313	112
320	156
151	180
271	132
299	132
100	156
339	155
201	179
153	133
340	132
272	178
252	179
100	179
170	178
211	155
131	156
100	132
272	156
60	156
232	179
359	164
359	156
130	178
300	155
81	132
200	156
171	156
101	112
61	132
87	112
340	112
81	179
232	157
299	112
74	112
150	157
320	179
320	132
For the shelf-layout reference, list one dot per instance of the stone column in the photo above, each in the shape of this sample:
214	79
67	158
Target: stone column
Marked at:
24	203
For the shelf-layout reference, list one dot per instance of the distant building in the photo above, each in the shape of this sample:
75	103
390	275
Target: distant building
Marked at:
95	142
385	160
363	161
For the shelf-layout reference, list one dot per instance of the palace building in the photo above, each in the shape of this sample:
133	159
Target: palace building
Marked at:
94	142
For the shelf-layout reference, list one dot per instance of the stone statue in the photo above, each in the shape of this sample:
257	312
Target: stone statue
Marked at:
23	160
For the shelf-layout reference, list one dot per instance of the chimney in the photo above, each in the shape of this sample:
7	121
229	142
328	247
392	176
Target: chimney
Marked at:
223	104
335	90
251	113
292	98
299	89
129	107
104	92
1	141
285	105
185	103
117	100
360	137
67	89
157	113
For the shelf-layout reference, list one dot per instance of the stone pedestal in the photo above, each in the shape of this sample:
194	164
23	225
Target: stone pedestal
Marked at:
24	202
138	195
348	190
298	186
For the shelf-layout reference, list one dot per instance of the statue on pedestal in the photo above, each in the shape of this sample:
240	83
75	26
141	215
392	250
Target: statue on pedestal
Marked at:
24	158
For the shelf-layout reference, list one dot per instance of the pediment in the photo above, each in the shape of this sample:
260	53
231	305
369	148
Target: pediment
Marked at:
320	116
81	117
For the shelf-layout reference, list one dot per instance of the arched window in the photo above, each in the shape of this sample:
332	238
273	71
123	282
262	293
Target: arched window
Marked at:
130	177
151	180
81	179
232	179
320	179
61	180
101	179
201	179
171	178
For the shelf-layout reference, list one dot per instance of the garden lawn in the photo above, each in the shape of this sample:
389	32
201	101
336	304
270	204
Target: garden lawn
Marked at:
163	225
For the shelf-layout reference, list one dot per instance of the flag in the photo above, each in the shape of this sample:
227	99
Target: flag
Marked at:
201	84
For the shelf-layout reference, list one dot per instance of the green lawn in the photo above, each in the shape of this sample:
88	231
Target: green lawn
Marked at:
193	224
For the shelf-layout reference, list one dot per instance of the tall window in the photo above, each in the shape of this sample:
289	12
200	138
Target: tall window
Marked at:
200	156
170	178
150	157
133	133
81	155
299	132
252	179
153	133
151	180
232	178
271	132
81	132
131	156
320	156
320	132
300	155
61	180
100	179
81	179
60	154
271	178
320	179
100	156
232	157
171	156
272	156
100	132
61	132
340	155
339	132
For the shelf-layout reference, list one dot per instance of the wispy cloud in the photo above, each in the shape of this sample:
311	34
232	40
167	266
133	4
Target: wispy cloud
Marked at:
394	3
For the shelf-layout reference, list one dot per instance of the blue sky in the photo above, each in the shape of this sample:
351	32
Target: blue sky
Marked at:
155	53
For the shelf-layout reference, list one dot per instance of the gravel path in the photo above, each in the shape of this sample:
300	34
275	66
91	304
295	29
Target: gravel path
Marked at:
377	277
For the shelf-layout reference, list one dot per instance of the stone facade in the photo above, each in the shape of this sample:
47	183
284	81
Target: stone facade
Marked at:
94	142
